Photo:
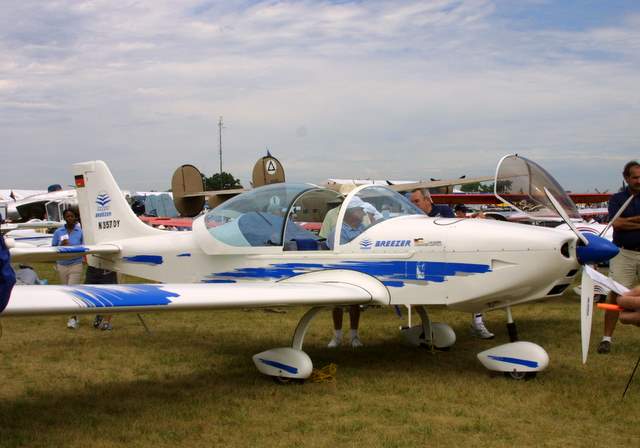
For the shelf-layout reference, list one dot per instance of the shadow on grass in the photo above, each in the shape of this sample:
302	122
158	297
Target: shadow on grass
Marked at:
208	371
44	415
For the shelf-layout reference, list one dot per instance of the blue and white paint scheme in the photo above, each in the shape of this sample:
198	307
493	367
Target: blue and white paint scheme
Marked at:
27	238
250	251
518	356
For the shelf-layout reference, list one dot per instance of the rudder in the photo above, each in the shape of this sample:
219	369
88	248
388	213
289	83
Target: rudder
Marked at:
105	213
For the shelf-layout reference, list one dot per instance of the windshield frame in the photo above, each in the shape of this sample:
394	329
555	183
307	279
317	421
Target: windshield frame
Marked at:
355	192
210	241
543	209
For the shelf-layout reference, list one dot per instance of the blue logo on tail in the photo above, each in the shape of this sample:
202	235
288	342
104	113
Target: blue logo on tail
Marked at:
103	199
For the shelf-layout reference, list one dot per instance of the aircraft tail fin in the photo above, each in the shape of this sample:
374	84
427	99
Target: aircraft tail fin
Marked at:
104	211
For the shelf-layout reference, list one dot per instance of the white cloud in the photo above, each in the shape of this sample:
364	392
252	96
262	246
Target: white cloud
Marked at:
384	89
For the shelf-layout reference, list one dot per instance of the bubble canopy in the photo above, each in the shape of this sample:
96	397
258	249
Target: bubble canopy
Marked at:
287	217
255	218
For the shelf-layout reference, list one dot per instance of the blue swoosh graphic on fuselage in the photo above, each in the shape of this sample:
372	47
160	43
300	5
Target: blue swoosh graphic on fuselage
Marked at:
144	259
391	273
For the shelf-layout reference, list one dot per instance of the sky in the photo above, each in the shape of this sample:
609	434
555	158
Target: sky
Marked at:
334	89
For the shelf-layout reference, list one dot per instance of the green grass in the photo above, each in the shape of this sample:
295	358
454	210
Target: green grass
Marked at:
191	382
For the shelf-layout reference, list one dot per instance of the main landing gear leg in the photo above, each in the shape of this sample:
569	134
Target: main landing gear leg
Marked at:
289	363
517	360
427	327
511	326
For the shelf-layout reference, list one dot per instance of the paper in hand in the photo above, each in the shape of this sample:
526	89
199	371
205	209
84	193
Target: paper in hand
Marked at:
604	281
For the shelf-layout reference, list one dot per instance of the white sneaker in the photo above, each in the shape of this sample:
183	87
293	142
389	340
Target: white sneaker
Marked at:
334	342
480	331
73	323
356	342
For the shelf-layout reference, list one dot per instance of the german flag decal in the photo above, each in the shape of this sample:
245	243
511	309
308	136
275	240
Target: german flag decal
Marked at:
79	181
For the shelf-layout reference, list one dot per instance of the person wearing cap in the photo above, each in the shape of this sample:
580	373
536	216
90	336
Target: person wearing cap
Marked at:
421	198
352	222
352	226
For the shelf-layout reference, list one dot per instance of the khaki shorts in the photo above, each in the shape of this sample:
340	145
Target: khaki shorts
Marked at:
625	269
70	274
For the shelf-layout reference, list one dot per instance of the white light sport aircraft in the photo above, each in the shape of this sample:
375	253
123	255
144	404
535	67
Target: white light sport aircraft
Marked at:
249	252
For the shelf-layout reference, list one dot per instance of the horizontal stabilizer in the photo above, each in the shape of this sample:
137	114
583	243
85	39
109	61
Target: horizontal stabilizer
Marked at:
55	253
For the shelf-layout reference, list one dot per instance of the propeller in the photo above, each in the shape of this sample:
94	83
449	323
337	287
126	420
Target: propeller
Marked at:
586	313
516	174
586	294
595	249
617	215
561	211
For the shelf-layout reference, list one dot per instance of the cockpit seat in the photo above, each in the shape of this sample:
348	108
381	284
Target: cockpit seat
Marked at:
306	244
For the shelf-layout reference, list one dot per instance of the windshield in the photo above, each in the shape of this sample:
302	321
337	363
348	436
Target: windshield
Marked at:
370	206
521	183
255	218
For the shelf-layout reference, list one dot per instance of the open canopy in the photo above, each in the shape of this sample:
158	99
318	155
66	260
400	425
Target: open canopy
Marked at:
526	181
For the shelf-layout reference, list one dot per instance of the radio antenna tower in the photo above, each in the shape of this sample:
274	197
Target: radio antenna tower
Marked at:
220	140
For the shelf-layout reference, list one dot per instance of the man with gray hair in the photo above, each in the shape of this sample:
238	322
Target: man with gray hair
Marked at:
625	266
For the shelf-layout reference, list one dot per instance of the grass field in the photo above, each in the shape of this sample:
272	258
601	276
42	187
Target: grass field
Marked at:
191	383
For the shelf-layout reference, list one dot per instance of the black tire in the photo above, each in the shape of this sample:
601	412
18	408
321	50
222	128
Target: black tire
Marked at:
284	381
520	376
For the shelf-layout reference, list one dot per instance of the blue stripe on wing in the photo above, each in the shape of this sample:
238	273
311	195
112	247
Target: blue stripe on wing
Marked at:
106	296
72	249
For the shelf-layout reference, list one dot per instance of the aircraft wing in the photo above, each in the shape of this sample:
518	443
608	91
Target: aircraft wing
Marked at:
34	224
439	183
490	198
231	192
54	253
54	299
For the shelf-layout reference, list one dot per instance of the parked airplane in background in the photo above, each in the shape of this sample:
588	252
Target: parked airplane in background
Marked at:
346	185
189	195
40	206
12	195
28	238
490	198
250	252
